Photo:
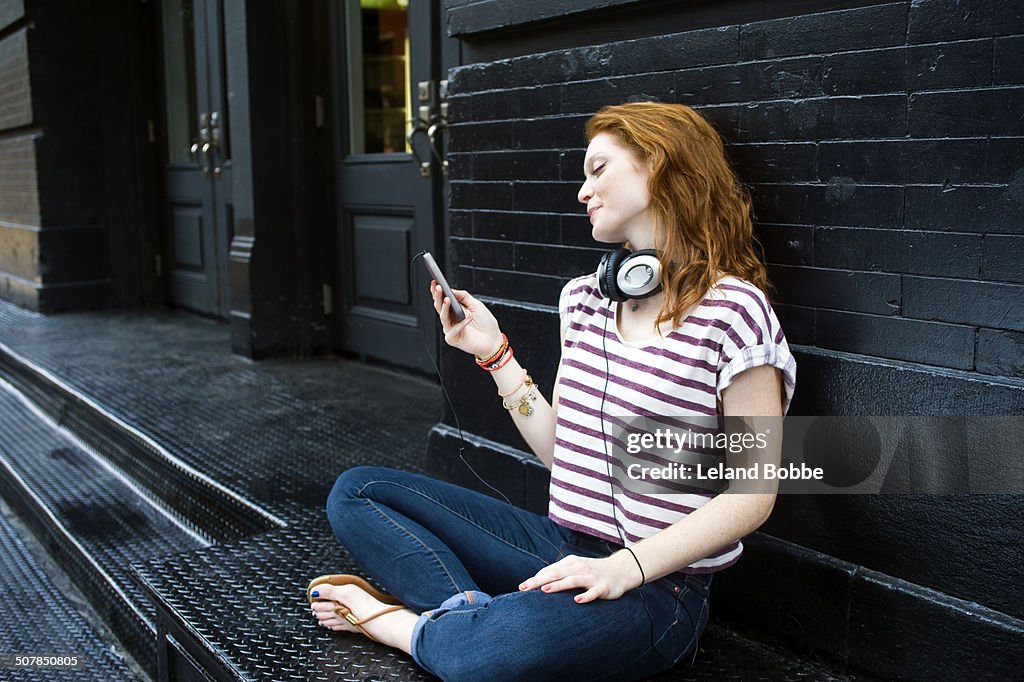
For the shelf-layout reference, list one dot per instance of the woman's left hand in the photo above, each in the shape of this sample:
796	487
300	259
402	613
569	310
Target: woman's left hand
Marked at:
607	578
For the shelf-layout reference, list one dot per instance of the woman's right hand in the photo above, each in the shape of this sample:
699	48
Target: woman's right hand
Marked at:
478	333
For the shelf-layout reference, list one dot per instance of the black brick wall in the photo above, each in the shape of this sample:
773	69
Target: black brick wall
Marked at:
54	250
884	148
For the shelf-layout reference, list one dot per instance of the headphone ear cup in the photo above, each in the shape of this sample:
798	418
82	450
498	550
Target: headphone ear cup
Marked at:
607	270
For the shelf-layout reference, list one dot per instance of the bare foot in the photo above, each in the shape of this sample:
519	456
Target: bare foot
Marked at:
393	629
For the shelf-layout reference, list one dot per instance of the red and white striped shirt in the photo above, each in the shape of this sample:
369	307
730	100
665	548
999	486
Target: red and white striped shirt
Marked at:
678	375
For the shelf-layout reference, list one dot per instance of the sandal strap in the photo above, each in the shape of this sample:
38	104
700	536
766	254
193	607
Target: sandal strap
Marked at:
347	614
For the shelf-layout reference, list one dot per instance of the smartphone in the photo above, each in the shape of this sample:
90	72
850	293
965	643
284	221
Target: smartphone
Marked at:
436	273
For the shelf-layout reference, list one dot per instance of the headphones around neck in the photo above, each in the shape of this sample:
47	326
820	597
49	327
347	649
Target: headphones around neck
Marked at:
623	275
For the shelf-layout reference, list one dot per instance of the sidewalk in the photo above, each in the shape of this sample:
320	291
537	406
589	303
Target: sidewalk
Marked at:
270	438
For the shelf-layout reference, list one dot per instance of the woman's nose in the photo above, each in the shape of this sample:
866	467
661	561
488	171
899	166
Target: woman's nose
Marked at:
585	192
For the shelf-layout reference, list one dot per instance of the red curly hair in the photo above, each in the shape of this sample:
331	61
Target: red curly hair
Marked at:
703	222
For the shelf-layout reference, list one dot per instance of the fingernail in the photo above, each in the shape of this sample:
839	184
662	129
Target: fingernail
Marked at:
522	586
578	599
316	593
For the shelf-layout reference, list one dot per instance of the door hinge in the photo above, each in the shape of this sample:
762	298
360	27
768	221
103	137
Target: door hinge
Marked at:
159	265
151	130
328	303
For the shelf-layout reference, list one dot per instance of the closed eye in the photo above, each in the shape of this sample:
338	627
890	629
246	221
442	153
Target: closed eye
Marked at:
598	169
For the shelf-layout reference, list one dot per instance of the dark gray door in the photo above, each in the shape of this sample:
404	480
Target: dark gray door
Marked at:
389	201
197	172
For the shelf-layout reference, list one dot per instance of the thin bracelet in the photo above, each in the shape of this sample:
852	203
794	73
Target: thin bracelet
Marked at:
496	354
500	362
522	381
643	578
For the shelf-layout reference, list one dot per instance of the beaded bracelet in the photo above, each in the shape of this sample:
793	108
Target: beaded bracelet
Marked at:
497	354
500	362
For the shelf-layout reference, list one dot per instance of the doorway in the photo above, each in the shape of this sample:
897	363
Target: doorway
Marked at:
390	177
197	159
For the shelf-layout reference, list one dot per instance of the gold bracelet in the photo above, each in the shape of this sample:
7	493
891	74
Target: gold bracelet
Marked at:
523	404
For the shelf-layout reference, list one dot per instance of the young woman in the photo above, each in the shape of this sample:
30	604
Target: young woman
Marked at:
613	583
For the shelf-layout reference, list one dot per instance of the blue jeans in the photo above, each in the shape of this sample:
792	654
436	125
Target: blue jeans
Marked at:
458	556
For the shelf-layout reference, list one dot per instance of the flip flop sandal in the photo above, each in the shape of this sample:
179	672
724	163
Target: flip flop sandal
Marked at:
348	579
345	613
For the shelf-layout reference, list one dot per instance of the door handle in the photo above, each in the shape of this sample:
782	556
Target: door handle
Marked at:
419	127
434	148
206	144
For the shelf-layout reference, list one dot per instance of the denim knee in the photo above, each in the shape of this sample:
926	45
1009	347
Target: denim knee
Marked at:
346	489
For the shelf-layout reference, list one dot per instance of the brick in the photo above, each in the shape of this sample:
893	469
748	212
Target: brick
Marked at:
460	223
842	202
797	323
511	165
476	77
546	197
517	227
722	118
823	119
15	86
934	21
866	292
932	343
821	33
921	253
517	286
1000	353
482	253
968	209
786	244
988	111
549	133
460	166
904	69
19	252
467	18
780	79
557	261
586	97
1009	60
460	108
570	164
577	231
676	51
923	161
774	121
517	103
775	162
474	137
490	195
998	306
1003	258
561	66
860	117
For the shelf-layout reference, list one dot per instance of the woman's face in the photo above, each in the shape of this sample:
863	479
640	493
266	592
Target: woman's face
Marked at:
615	192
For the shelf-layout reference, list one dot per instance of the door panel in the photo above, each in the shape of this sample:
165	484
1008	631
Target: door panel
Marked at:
386	207
196	173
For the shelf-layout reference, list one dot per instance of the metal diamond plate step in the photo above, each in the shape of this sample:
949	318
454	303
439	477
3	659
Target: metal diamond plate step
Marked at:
88	515
37	620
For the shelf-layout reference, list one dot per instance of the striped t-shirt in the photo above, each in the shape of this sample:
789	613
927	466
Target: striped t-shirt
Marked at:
679	375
